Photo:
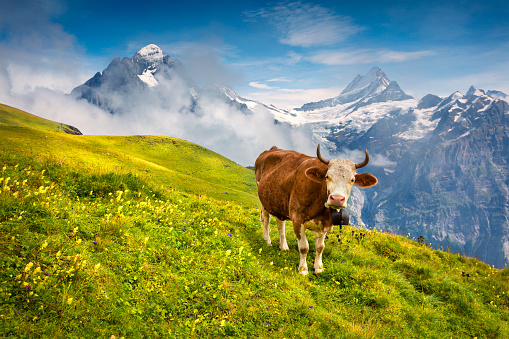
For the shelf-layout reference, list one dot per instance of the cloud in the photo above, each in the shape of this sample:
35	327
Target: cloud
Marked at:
365	56
283	79
37	52
204	61
307	25
260	86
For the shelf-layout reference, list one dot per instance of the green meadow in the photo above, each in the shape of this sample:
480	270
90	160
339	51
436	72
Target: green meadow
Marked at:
156	237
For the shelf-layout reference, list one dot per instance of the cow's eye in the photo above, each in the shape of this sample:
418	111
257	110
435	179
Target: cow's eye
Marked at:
352	181
326	177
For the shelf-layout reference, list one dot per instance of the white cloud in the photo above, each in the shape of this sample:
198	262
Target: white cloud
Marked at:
365	56
283	79
36	52
204	61
260	86
307	25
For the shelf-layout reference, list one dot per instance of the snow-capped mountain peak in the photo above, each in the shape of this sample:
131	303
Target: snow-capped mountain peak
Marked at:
498	95
374	78
146	69
151	53
474	91
374	87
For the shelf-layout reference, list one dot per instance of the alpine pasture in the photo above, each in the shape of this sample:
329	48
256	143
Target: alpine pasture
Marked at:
156	237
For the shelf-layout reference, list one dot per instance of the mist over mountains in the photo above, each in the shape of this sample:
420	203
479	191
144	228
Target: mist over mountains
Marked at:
154	93
441	162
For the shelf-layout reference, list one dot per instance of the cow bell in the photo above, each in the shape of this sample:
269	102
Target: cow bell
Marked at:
340	217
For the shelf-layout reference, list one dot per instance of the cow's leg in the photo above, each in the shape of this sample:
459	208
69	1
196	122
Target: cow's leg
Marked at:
303	250
319	246
282	236
266	226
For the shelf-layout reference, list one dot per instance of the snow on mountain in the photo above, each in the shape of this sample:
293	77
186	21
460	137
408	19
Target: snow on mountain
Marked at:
150	53
421	126
373	83
366	100
148	77
375	86
474	91
498	95
124	79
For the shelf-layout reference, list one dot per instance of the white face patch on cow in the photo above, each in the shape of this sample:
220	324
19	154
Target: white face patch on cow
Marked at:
340	178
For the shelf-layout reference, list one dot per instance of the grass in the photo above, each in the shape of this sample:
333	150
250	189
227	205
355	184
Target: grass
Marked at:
166	163
102	251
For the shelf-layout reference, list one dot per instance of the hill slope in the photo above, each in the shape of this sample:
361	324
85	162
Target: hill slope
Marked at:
167	162
91	251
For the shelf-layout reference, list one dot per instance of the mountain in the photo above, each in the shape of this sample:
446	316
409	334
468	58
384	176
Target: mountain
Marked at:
123	77
151	74
453	187
363	90
341	120
442	163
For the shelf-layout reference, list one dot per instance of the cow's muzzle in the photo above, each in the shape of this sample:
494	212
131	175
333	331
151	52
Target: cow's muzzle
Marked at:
336	201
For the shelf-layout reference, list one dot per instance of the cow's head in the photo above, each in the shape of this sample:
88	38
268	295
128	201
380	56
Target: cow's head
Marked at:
340	176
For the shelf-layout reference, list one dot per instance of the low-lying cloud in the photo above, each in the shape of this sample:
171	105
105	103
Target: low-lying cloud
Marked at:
168	110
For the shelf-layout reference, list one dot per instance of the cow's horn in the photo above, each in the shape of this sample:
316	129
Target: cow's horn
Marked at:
319	155
364	163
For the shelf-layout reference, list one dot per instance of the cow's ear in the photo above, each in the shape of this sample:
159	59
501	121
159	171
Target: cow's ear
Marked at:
316	174
365	180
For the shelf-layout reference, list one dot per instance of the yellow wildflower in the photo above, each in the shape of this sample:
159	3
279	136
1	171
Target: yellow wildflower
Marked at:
29	266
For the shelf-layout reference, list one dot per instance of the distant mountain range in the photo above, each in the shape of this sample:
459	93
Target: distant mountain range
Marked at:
442	163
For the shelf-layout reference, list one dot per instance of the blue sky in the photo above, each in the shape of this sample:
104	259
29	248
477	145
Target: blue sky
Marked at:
281	53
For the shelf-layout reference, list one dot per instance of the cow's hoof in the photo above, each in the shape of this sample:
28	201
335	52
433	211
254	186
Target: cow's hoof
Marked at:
284	247
319	270
303	272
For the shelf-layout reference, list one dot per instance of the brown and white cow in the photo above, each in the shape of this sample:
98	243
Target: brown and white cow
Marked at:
294	186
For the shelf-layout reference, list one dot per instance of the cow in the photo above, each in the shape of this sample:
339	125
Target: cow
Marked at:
297	187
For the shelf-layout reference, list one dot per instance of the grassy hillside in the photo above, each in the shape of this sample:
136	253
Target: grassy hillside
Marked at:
13	116
167	163
93	245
